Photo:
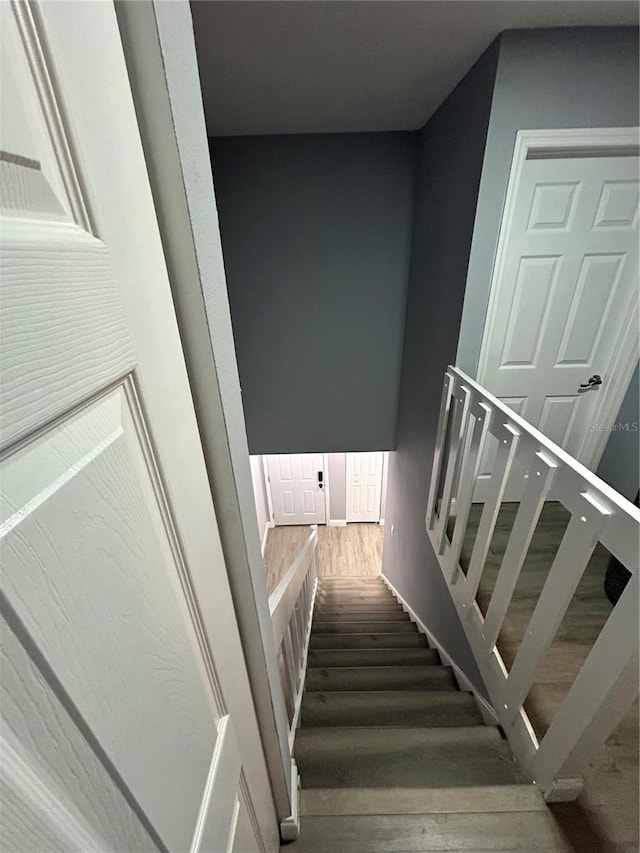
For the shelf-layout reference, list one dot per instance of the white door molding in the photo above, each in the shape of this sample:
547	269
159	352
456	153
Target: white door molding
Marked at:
267	486
571	143
159	50
325	489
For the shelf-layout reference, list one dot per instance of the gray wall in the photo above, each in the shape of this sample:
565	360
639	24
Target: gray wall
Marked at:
450	162
620	463
560	78
316	236
577	77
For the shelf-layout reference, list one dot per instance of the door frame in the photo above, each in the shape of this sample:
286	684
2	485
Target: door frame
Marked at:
615	141
159	50
325	487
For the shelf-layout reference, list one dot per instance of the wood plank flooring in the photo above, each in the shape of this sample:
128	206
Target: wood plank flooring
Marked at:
354	551
605	816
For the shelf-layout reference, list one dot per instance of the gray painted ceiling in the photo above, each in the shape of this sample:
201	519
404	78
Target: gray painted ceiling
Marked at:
336	66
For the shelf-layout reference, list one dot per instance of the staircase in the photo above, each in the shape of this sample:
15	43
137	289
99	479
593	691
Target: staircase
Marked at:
392	755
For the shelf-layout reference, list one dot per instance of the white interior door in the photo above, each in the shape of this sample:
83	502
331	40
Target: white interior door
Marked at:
364	486
297	482
127	720
566	298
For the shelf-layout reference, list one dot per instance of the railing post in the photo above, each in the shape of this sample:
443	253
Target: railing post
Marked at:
445	404
601	695
524	526
576	548
507	437
480	417
461	396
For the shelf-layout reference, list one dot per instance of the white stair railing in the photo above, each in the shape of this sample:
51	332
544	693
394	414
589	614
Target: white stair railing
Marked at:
607	684
291	608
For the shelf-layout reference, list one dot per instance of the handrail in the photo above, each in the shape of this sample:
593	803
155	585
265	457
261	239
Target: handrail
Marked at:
284	597
607	683
291	608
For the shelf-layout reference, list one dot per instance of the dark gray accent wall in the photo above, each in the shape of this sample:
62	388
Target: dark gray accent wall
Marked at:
620	463
450	162
558	78
316	237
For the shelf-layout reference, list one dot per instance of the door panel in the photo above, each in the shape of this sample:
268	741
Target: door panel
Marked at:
296	481
89	567
110	546
71	308
567	288
364	486
219	813
56	794
244	840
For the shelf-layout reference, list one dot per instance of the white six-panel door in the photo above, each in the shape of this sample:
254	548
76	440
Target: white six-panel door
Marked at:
364	486
297	484
127	716
567	289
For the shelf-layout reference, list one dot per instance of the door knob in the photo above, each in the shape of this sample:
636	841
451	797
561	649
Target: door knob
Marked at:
593	381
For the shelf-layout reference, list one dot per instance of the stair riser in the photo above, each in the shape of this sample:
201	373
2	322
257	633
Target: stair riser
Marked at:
356	601
346	579
368	641
363	628
359	606
371	595
322	679
392	708
371	589
360	616
375	615
372	657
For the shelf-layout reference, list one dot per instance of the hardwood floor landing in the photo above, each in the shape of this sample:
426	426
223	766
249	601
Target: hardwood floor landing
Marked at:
351	551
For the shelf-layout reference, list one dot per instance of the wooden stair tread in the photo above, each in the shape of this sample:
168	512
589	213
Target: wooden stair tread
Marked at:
390	708
410	757
380	678
516	832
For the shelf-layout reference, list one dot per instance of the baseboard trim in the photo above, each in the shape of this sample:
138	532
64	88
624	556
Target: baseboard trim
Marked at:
337	522
486	709
381	522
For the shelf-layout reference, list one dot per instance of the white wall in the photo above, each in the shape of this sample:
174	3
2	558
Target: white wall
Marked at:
259	494
337	486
